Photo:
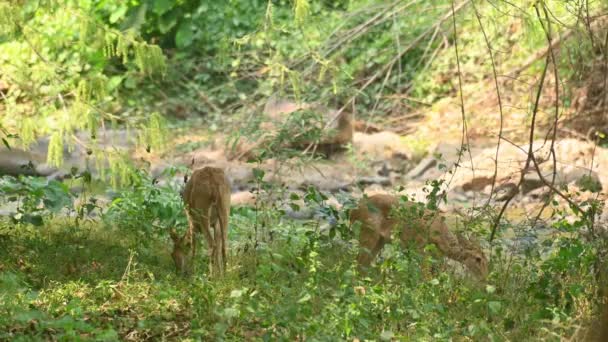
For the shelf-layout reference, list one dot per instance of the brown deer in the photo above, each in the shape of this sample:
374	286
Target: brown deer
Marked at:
337	134
378	219
207	204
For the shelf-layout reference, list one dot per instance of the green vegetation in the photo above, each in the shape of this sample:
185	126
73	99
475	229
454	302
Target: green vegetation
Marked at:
76	277
87	256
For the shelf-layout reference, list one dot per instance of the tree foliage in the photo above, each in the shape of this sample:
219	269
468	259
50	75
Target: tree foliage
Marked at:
63	67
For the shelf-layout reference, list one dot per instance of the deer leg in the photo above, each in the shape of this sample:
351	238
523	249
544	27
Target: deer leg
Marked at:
370	243
193	230
378	247
203	226
217	240
222	219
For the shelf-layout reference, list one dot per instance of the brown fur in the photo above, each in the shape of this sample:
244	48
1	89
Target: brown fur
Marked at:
598	329
377	224
207	201
603	324
339	133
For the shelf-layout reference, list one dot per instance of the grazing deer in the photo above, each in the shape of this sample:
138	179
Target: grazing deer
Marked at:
378	221
207	204
339	124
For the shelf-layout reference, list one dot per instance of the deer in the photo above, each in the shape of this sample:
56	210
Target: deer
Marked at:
378	220
337	133
206	197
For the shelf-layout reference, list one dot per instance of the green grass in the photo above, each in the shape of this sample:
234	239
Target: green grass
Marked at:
70	283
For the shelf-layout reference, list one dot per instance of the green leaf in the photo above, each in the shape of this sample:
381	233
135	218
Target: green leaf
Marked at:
231	312
304	298
162	6
118	14
167	22
35	220
114	82
6	143
108	334
236	294
258	174
494	307
57	196
386	335
184	35
136	18
26	316
130	82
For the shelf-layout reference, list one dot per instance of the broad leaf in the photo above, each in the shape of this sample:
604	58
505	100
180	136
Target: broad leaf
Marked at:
184	35
162	6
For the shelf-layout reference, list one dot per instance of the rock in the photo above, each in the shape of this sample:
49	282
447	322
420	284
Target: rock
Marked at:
365	127
423	166
505	191
538	194
587	181
375	189
384	171
240	175
384	181
242	198
205	157
302	214
477	184
381	146
16	162
458	197
573	160
444	153
532	181
326	176
75	154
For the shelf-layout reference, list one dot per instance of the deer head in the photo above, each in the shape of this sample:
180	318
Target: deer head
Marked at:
181	253
472	256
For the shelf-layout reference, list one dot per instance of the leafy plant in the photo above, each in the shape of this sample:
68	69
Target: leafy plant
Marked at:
146	209
63	68
35	197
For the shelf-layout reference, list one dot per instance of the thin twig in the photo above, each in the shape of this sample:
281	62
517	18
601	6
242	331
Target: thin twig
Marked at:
555	43
465	135
529	152
547	31
500	130
389	65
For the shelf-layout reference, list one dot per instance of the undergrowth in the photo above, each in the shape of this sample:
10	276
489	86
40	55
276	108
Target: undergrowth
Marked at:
286	280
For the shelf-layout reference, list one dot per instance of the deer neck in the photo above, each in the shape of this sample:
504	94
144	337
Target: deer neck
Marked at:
452	248
344	120
456	253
